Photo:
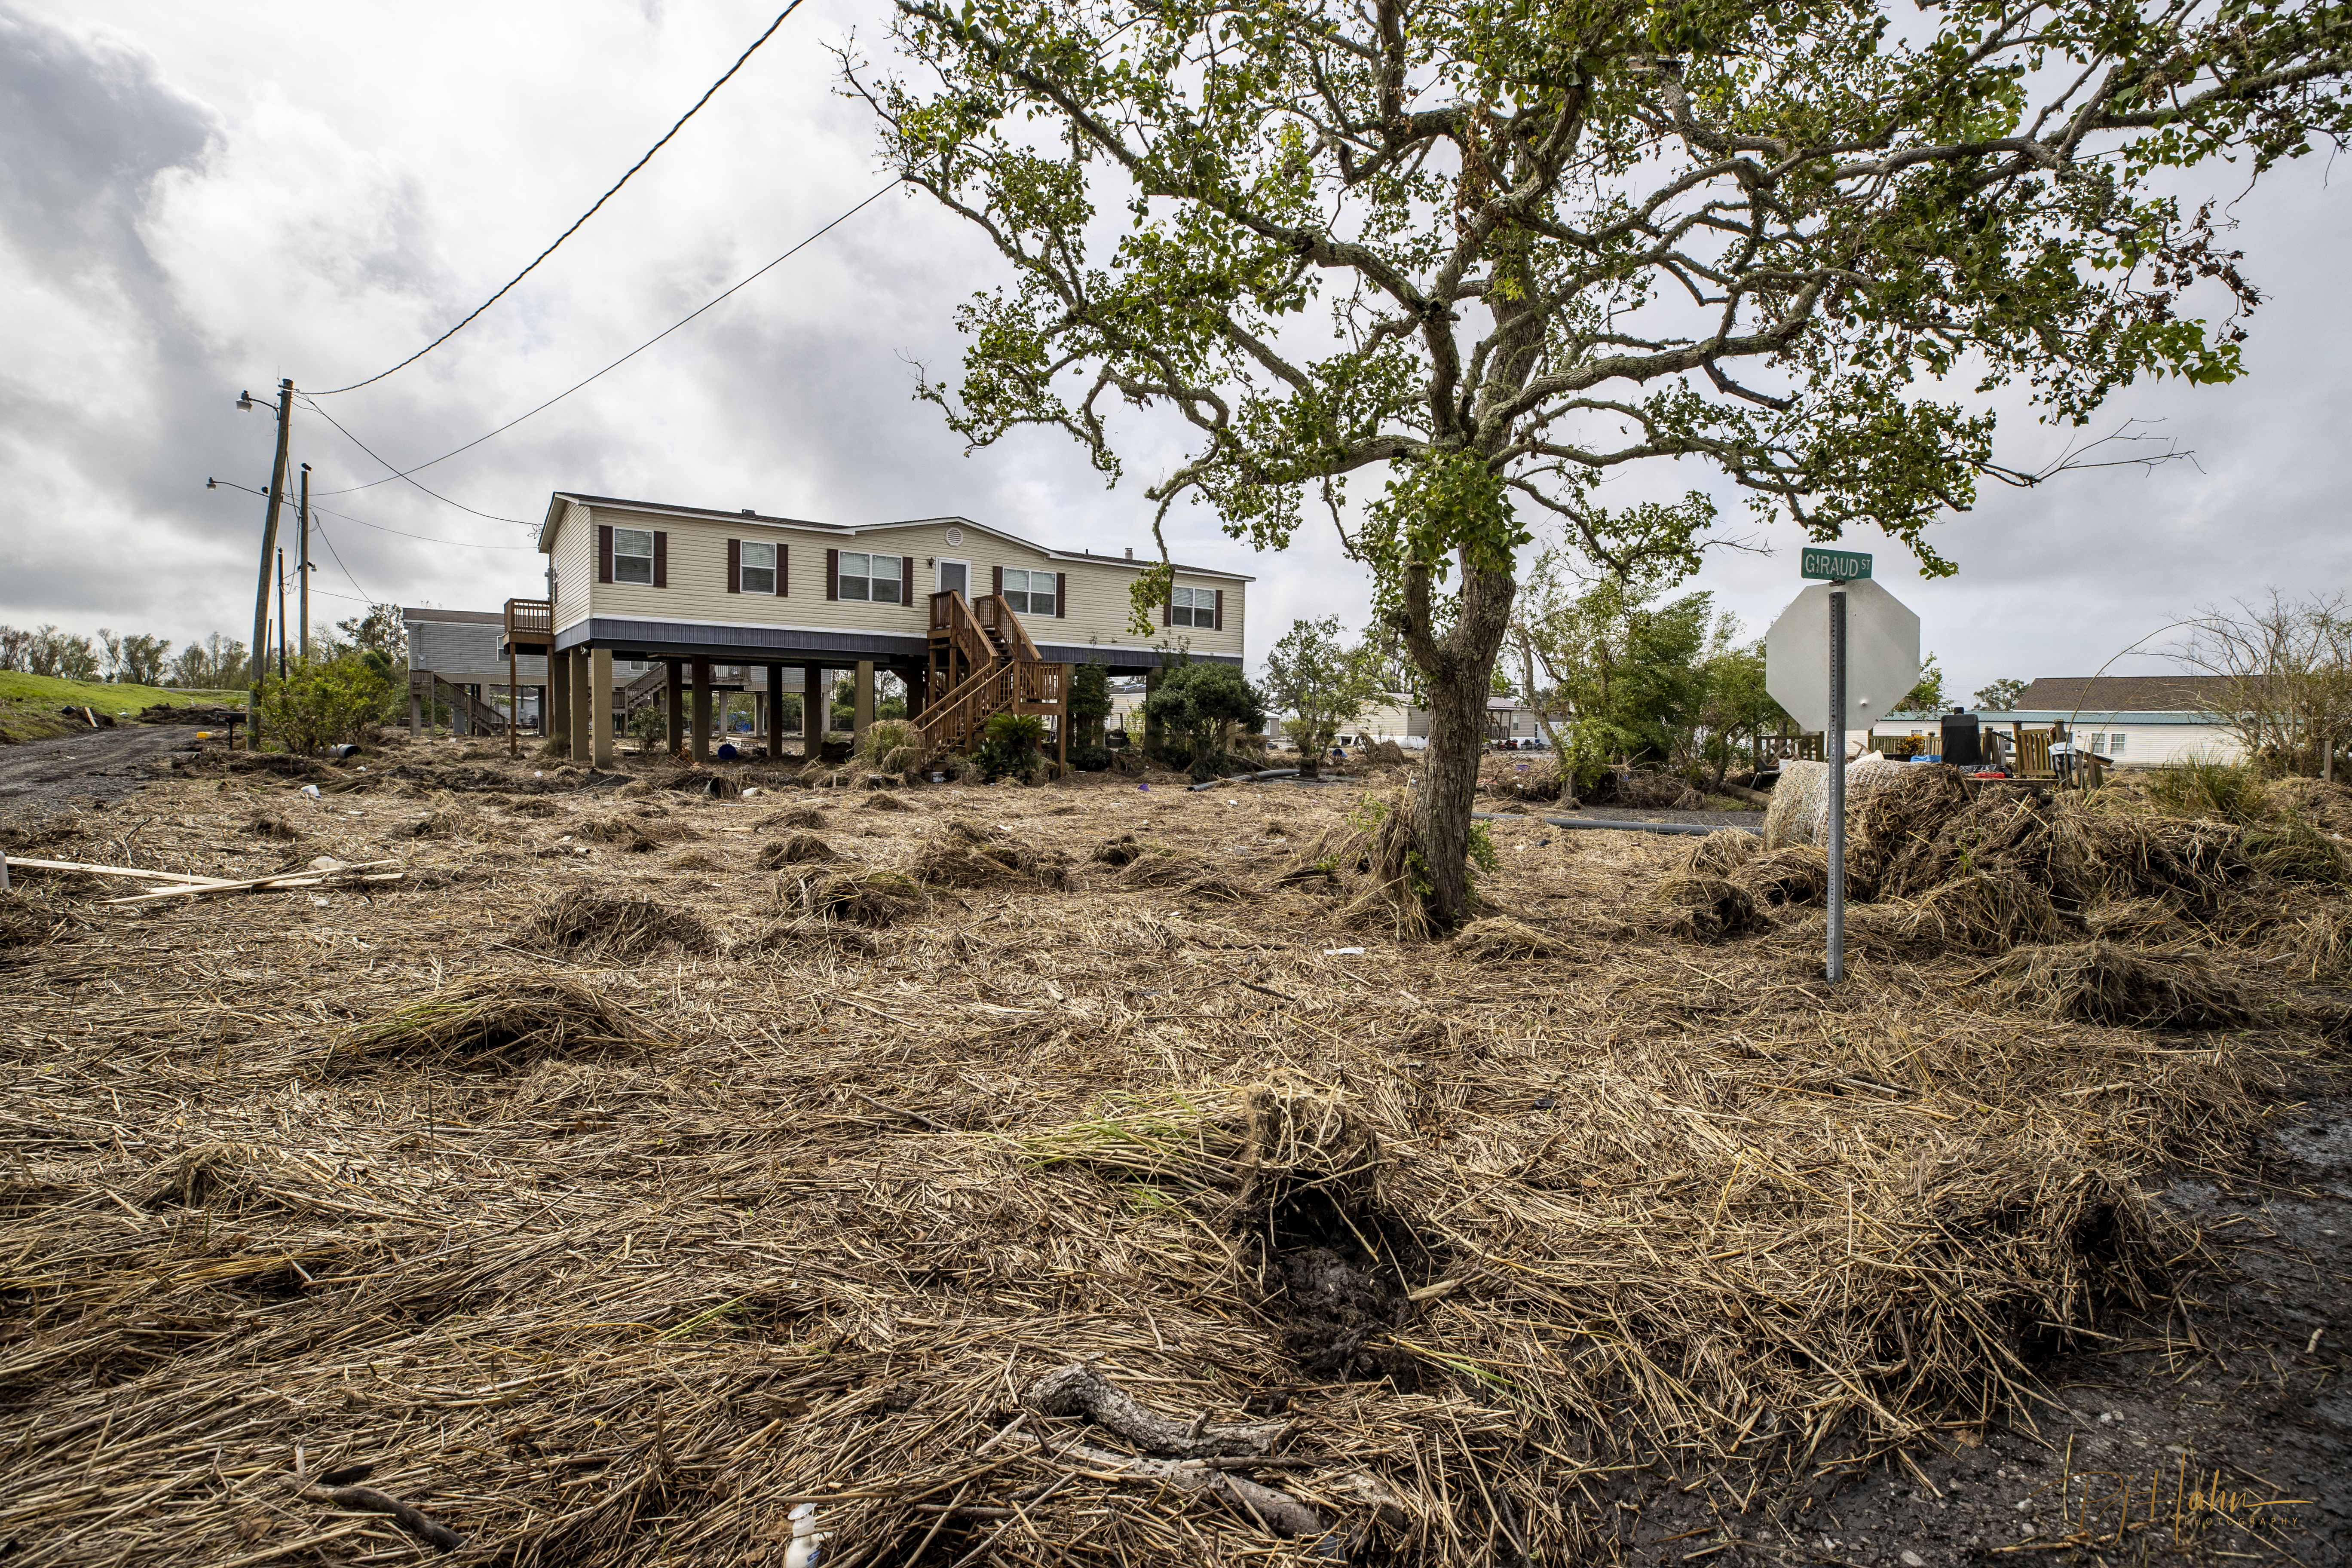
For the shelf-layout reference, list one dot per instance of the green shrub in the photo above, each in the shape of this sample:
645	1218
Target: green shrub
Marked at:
1009	743
323	703
1090	759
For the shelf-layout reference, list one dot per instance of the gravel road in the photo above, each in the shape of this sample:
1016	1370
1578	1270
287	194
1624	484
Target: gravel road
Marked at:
93	768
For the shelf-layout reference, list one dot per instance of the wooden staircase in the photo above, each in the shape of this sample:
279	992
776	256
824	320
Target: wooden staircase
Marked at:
982	663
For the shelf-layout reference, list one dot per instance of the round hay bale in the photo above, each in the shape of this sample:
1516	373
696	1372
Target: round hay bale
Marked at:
1721	854
798	848
2105	983
1699	907
1799	811
618	926
1498	939
1799	874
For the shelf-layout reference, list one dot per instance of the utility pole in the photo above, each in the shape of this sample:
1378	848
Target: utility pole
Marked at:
306	564
268	548
281	615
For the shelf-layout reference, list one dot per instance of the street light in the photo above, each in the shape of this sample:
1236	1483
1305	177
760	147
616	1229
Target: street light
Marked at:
245	400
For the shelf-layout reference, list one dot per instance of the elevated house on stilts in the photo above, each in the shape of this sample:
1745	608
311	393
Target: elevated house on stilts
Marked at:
973	621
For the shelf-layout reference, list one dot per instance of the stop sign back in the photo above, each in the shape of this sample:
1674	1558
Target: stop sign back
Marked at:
1882	654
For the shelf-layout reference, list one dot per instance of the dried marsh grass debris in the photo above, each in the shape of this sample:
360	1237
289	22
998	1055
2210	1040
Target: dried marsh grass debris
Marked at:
700	860
1699	907
1499	937
494	1021
873	899
1987	911
959	860
538	806
1721	854
641	788
791	816
26	921
2294	851
276	827
1124	849
2106	982
449	822
1799	874
618	926
796	849
1163	869
882	800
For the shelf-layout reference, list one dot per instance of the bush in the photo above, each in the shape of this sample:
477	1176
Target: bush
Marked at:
2227	791
885	736
1009	743
1090	759
322	704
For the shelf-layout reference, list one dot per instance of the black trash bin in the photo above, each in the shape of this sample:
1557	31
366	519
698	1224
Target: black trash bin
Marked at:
1963	746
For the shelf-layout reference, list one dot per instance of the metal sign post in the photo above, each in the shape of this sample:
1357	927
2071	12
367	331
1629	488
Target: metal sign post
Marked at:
1834	752
1872	642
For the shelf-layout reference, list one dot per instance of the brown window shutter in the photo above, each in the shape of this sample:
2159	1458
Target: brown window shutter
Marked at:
604	553
1061	595
1219	624
1167	605
783	570
832	574
661	559
905	579
734	565
996	581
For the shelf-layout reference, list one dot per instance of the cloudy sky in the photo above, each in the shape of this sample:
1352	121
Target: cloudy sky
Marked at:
198	199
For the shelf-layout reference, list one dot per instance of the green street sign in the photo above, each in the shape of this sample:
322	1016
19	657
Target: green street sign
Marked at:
1835	565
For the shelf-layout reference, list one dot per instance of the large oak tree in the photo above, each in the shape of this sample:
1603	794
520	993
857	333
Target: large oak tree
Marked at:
1492	253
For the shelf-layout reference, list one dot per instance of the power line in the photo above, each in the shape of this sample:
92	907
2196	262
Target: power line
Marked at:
405	473
347	517
396	474
584	217
426	538
339	561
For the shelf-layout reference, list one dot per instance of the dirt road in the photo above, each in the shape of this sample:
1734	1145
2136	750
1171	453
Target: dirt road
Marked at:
93	768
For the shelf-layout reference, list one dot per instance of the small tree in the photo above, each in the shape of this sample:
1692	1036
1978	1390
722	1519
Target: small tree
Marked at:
1089	703
135	658
2280	671
323	703
650	724
1324	685
2001	696
1198	706
1927	698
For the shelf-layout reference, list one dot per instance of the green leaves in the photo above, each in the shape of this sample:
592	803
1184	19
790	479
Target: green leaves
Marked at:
1498	251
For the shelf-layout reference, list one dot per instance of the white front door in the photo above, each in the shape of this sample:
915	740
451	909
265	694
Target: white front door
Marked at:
956	575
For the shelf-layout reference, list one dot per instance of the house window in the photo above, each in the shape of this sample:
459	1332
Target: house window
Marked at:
1193	608
2099	744
1029	592
2115	743
759	569
871	577
633	556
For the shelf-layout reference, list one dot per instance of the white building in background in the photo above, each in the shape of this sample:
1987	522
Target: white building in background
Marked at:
2134	721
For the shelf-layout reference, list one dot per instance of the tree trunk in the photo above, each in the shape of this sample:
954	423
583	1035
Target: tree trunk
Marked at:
1459	669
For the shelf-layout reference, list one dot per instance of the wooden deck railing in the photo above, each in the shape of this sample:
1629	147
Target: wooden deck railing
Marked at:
529	619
